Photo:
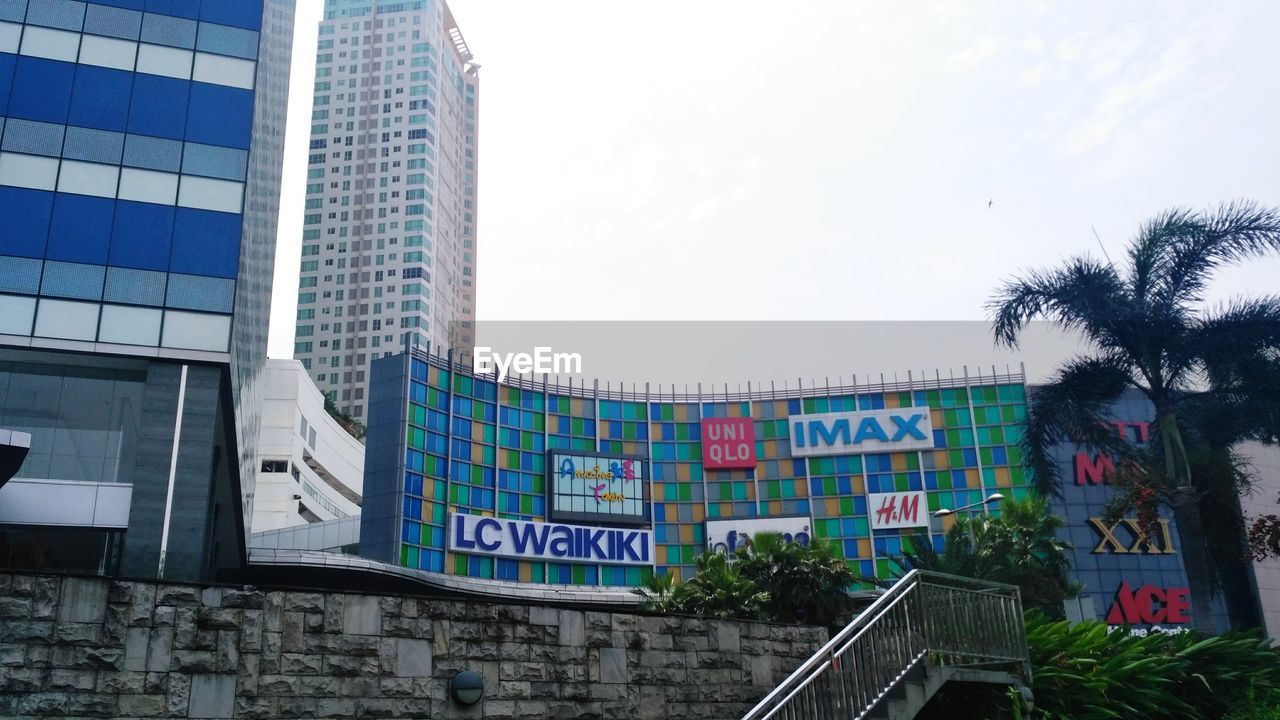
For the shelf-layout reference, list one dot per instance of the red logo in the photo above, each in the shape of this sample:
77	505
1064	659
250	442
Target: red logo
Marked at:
728	443
889	511
1148	605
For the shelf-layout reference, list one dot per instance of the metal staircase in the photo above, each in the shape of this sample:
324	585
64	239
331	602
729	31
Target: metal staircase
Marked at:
927	630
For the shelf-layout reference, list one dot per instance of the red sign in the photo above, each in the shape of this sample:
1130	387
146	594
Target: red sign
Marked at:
1148	605
728	443
1091	470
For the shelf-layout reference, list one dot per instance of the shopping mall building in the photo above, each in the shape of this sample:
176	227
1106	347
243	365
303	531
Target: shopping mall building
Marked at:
535	482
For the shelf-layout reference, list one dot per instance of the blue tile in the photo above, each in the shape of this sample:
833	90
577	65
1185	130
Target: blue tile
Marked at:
26	224
7	64
205	243
41	90
220	116
142	235
64	14
135	287
81	228
101	98
159	106
179	8
240	13
129	4
72	280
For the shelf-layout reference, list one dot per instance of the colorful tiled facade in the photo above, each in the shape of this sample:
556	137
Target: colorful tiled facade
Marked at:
442	440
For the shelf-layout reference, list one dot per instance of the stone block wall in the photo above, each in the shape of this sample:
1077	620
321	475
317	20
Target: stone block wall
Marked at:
83	647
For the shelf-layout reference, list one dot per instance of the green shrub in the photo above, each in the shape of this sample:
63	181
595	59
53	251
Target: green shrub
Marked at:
1082	672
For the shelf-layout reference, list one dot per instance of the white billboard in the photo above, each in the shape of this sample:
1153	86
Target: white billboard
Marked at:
898	510
841	433
726	536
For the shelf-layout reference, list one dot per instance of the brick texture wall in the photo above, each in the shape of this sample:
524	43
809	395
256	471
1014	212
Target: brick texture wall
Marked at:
77	647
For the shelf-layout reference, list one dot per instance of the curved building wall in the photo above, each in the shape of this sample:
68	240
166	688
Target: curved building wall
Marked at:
442	440
310	468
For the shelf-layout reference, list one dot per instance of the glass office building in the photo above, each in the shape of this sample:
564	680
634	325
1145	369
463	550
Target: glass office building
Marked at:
140	151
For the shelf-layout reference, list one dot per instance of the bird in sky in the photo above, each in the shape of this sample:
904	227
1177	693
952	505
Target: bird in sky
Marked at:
989	202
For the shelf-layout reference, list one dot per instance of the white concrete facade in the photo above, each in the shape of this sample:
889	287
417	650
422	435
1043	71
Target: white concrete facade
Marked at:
1265	500
310	468
389	231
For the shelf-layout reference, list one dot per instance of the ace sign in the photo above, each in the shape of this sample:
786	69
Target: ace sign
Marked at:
728	443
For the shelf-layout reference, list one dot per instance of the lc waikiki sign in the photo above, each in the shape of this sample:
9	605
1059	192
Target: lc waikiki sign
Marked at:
527	540
861	432
728	443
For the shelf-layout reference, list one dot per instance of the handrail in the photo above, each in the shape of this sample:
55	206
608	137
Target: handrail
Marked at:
947	619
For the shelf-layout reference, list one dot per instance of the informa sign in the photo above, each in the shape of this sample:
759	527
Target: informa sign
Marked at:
728	443
898	510
726	536
526	540
596	488
861	432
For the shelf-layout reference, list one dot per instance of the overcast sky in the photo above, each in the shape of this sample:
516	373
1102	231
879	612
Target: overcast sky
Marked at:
832	160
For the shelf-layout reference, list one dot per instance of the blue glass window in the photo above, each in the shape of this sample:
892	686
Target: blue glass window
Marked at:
181	8
159	106
241	13
112	22
142	235
130	4
81	229
7	63
101	98
205	243
41	89
26	224
220	115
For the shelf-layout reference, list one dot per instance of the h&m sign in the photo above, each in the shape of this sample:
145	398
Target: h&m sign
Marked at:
861	432
527	540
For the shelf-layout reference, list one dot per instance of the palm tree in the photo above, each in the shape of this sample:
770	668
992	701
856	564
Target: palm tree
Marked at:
1150	330
1018	546
806	583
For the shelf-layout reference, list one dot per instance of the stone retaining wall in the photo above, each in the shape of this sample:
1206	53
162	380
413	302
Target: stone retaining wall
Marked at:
77	647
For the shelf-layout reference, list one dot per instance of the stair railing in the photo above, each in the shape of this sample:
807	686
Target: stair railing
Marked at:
947	620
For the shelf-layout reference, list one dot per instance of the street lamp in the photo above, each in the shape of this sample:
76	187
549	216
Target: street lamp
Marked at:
992	498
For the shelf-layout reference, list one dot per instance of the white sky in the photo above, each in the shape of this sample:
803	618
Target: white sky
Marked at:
708	159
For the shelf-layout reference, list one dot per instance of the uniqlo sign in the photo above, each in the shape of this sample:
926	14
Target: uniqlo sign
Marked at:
897	510
728	443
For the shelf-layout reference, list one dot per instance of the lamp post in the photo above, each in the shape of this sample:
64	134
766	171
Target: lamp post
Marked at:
943	512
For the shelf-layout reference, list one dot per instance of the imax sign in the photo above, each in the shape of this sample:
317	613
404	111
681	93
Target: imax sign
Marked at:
861	432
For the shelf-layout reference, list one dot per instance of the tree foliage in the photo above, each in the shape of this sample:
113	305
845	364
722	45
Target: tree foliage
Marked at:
354	427
716	590
1212	374
1018	546
769	579
805	583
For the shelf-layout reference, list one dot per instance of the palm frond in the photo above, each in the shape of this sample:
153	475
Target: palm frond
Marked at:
1229	234
1149	252
1074	406
1085	295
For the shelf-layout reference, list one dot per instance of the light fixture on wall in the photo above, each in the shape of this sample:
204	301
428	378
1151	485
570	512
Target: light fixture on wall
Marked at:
467	687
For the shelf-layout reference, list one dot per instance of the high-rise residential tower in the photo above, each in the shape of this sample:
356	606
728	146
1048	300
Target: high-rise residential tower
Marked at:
140	162
389	237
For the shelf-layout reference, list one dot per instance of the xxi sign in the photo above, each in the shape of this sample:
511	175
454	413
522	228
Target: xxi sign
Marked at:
1136	541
